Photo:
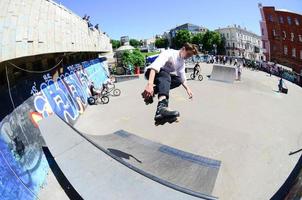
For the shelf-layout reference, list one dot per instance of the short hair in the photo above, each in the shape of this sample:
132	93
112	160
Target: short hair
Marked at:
191	47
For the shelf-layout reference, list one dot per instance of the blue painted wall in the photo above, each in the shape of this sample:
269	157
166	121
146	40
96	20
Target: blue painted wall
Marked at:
23	170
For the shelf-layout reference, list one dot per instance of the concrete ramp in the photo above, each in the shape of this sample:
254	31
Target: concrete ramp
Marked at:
223	73
98	172
181	168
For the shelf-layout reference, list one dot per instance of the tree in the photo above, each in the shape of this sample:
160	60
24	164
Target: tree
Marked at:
127	58
138	58
135	43
115	44
134	58
197	38
182	36
210	38
161	42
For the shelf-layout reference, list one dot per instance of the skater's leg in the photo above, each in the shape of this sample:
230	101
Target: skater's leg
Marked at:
165	81
175	81
163	84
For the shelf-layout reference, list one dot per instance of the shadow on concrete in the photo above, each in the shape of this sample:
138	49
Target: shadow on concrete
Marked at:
122	154
61	178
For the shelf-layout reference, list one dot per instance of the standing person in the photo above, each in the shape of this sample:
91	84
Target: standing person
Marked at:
231	60
239	72
224	60
270	70
161	78
280	85
235	62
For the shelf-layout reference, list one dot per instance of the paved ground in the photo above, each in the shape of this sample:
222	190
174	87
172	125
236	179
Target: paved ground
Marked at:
247	125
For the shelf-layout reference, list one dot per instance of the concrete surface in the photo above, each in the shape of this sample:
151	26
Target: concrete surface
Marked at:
186	170
247	125
94	174
32	27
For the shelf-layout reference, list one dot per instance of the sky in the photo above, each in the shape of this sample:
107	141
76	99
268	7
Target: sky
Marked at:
142	19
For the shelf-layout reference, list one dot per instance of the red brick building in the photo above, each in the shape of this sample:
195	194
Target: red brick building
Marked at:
281	32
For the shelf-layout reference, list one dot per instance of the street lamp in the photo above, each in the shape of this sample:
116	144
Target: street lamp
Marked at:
215	49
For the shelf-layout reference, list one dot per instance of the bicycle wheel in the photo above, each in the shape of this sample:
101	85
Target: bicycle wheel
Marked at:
105	99
91	101
116	92
200	77
192	76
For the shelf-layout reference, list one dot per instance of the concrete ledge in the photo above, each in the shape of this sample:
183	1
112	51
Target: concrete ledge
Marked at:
189	69
125	78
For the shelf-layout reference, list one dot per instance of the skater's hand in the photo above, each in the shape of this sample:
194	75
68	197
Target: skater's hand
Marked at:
148	91
190	93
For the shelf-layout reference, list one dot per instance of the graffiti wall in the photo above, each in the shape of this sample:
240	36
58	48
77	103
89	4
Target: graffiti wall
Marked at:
64	91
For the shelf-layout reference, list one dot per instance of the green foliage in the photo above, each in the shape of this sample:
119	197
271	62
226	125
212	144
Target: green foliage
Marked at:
135	43
182	36
197	38
161	43
127	58
138	58
134	58
210	38
115	44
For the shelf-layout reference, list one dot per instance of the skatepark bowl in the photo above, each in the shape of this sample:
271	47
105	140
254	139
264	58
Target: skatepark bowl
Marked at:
232	142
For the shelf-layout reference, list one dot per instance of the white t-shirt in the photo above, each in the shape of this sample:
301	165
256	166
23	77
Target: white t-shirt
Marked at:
170	61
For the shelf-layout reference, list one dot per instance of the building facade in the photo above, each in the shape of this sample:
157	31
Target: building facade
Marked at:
194	29
170	34
241	43
282	36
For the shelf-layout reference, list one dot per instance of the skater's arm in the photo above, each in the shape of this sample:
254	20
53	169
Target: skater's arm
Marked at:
182	75
189	91
151	77
149	88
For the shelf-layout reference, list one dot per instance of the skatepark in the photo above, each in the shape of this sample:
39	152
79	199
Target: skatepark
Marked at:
246	129
238	140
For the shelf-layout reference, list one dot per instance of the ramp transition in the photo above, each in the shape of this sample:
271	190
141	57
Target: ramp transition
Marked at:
96	175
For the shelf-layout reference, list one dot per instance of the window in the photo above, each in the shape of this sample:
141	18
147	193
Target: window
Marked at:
274	48
281	20
292	37
297	21
284	35
233	45
289	20
227	35
270	18
301	54
263	45
294	52
285	50
300	38
274	32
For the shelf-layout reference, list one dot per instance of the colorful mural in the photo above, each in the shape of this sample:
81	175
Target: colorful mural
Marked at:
23	166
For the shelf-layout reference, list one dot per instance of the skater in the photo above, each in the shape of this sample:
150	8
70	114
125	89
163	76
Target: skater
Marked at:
161	78
196	69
